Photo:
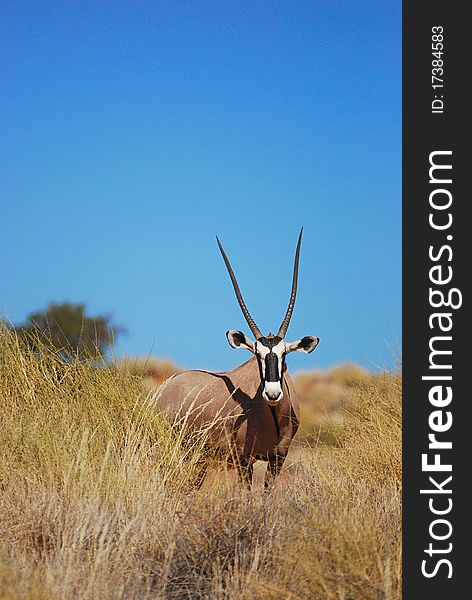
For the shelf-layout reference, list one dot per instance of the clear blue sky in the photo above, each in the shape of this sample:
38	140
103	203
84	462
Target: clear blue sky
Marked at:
133	132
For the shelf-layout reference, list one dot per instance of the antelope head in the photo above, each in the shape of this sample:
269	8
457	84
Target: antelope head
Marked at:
270	350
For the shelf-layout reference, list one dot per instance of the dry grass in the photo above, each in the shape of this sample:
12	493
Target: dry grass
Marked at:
97	499
154	371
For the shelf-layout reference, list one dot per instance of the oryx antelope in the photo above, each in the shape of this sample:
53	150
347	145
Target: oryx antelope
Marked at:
251	411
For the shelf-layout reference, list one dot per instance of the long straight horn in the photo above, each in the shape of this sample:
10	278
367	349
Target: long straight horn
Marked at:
255	330
293	295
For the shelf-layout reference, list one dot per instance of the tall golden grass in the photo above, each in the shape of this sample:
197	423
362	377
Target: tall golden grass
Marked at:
97	498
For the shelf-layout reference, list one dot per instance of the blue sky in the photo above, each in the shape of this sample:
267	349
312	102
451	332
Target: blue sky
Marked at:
133	132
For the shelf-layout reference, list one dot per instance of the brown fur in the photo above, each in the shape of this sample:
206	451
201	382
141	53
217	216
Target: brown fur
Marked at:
238	419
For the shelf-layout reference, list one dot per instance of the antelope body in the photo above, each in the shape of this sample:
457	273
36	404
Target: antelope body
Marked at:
252	412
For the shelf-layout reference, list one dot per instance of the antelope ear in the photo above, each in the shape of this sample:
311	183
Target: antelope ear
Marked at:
306	344
237	339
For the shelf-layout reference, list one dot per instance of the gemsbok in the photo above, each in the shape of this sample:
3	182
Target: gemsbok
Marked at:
251	412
